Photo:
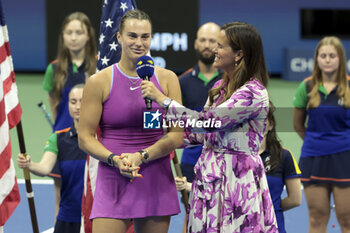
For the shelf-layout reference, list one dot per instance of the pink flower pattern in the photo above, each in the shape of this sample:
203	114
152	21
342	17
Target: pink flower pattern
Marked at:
230	192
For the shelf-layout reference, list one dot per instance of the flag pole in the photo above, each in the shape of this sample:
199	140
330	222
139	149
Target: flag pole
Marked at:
30	194
179	174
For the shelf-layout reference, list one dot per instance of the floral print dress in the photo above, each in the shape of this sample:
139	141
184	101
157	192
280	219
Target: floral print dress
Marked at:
230	191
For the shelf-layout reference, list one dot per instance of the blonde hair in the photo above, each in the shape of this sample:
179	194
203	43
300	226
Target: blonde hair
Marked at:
63	54
343	91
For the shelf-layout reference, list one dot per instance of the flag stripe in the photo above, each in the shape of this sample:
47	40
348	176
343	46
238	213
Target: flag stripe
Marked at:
5	157
7	83
3	52
9	90
9	204
2	116
4	37
15	112
10	115
5	138
93	165
7	74
7	181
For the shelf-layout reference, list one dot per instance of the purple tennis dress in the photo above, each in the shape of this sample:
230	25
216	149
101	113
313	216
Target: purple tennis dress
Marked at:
121	131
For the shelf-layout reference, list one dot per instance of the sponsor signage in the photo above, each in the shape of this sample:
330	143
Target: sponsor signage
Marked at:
299	63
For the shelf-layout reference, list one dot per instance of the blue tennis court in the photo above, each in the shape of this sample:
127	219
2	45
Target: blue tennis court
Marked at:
296	219
36	132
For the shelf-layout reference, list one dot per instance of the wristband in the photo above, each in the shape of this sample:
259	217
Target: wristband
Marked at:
144	156
110	160
166	103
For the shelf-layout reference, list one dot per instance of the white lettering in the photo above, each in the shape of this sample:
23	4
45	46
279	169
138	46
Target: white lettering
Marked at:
190	123
217	124
161	41
199	124
165	41
165	124
149	125
181	124
310	65
300	64
174	123
193	123
180	42
206	124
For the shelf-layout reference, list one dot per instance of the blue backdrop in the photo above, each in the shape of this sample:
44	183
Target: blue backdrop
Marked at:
278	22
27	31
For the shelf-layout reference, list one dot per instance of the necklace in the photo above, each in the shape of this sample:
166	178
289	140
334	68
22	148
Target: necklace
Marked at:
133	83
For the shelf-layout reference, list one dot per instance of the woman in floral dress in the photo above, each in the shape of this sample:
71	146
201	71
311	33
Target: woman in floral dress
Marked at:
230	191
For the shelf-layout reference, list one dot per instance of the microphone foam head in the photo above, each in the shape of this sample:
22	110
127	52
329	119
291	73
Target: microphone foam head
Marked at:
145	66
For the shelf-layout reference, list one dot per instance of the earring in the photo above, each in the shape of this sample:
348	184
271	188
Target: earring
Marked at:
235	63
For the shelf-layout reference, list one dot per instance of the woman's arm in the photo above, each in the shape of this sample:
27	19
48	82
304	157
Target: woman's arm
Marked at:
95	92
299	117
192	139
247	102
43	168
293	199
174	138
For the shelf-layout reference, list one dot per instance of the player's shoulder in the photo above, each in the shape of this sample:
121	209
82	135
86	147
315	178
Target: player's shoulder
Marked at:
163	73
101	76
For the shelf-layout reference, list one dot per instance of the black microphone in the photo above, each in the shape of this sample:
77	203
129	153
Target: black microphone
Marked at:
145	70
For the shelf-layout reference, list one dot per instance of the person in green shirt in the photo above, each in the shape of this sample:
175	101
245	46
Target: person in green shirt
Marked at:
75	62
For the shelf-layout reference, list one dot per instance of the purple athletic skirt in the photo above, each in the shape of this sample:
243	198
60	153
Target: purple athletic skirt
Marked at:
153	195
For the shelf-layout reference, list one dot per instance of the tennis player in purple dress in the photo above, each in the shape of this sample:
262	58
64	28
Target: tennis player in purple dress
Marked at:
144	192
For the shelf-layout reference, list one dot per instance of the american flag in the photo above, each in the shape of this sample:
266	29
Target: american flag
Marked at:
89	190
109	49
10	115
109	52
